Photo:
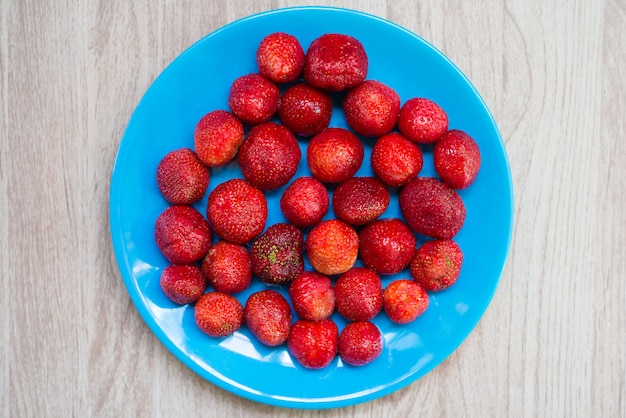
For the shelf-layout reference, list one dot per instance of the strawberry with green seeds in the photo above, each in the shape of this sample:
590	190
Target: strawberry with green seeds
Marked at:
276	256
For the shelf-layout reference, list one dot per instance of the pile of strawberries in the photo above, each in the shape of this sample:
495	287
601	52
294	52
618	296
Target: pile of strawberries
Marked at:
268	154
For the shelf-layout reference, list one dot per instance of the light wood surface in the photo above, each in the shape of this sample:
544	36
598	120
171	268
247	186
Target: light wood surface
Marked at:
551	344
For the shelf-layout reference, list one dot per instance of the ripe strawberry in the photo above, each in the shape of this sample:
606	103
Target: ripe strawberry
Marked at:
387	246
218	314
217	138
395	160
432	208
359	294
334	155
269	156
268	317
335	62
312	296
253	98
305	110
332	247
182	234
227	267
421	120
182	283
360	200
182	178
276	256
237	211
280	57
360	343
372	108
437	264
457	159
313	343
404	301
305	202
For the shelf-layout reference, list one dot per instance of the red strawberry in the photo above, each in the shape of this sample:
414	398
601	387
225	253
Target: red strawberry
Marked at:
457	159
218	314
437	264
359	294
305	110
269	156
332	247
432	208
360	200
276	256
305	202
182	234
280	57
395	160
268	317
360	343
237	211
312	296
217	138
183	283
387	246
182	178
404	301
334	155
422	120
253	98
335	62
313	343
371	108
227	267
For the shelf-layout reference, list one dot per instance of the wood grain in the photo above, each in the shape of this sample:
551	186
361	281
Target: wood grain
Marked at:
552	342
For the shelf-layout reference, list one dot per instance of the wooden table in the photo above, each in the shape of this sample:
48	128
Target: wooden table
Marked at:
553	341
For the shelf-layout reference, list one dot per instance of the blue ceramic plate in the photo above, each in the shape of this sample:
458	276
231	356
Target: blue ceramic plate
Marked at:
198	82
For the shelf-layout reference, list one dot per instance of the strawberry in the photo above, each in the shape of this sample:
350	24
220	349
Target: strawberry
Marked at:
269	156
182	283
404	300
227	267
358	294
268	317
457	159
237	211
305	110
280	57
335	62
360	343
182	234
360	200
312	296
332	247
395	160
253	98
182	178
305	202
313	343
432	208
421	120
334	155
437	264
372	108
276	256
387	246
218	314
217	138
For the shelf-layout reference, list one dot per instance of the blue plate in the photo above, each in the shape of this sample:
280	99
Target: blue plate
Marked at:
198	82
